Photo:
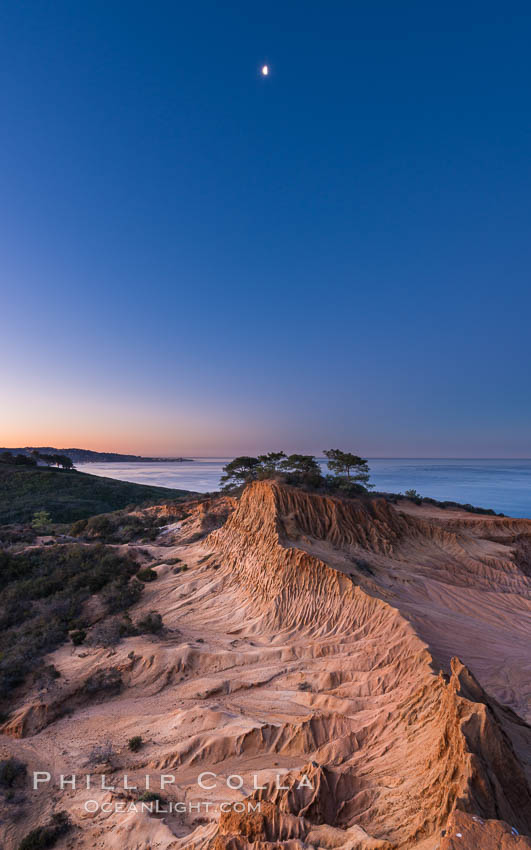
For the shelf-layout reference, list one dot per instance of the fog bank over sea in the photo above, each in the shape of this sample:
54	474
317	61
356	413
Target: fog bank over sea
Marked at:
504	485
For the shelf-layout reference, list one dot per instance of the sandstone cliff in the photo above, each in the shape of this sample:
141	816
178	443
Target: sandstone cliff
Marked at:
380	651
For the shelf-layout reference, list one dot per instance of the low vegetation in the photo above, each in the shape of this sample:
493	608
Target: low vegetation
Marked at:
16	535
42	597
446	504
35	457
101	753
68	495
17	460
110	631
78	636
151	623
41	522
119	527
120	593
146	574
12	772
151	797
46	836
135	743
107	682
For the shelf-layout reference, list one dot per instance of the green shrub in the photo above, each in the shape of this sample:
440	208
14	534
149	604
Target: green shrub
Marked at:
109	632
46	836
458	506
344	486
151	623
100	526
146	574
42	596
364	566
118	527
15	534
18	459
68	495
151	797
101	753
12	772
121	594
77	528
135	743
106	633
52	671
41	521
107	681
78	636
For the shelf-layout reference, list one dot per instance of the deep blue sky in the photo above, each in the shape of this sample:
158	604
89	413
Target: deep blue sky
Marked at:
197	259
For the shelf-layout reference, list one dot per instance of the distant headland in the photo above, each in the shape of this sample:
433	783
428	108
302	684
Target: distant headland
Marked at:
88	456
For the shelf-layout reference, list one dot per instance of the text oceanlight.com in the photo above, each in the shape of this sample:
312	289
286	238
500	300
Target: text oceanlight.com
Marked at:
166	807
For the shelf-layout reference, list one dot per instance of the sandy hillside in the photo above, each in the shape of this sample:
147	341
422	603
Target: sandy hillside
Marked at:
369	664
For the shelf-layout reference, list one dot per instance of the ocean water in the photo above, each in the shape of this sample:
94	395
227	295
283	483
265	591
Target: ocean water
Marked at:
504	485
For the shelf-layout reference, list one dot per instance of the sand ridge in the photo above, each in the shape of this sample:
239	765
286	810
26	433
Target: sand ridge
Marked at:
345	640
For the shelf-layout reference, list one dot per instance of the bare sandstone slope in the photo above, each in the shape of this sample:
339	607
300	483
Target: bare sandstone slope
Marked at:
444	743
379	651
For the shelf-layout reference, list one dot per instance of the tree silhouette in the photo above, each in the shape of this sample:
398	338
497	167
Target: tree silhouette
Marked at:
239	471
343	463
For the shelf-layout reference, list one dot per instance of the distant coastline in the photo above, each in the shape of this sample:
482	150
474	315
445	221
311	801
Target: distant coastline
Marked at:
88	456
503	485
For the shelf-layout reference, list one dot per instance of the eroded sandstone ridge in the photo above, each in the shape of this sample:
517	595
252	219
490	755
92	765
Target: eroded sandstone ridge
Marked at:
380	652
